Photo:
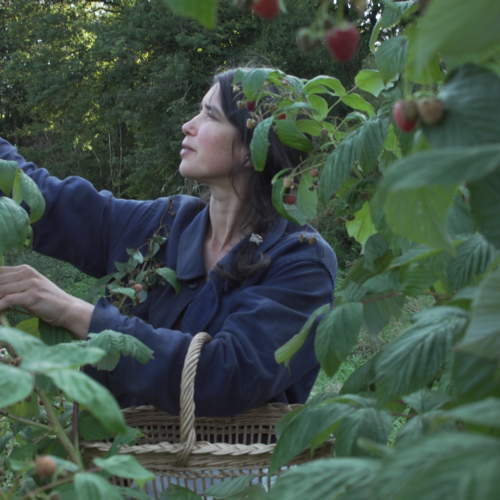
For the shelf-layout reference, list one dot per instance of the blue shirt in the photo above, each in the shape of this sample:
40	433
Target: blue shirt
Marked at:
237	369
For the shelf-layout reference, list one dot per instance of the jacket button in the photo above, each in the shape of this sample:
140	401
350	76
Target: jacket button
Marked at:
193	284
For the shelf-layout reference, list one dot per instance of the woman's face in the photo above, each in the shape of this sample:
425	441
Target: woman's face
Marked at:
210	150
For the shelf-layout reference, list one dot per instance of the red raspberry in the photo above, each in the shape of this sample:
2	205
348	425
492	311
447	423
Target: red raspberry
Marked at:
405	115
267	9
45	466
342	42
250	105
290	199
282	116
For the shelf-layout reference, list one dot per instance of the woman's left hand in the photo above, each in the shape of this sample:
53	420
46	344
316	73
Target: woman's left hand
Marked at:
24	286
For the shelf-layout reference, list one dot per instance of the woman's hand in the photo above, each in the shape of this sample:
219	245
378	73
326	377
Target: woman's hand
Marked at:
24	286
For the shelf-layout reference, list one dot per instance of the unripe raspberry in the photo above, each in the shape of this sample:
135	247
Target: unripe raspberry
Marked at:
431	111
251	123
405	115
240	104
137	287
324	132
287	182
314	172
312	240
302	238
350	217
45	466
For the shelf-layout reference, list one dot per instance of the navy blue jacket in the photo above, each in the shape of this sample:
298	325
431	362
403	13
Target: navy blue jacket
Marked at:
237	370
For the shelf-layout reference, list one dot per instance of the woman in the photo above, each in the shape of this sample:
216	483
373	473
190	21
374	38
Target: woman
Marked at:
246	277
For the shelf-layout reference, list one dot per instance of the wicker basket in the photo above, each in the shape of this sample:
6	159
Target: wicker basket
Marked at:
197	452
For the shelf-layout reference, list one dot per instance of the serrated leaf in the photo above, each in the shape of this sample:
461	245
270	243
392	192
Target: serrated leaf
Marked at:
362	378
99	401
203	12
320	107
31	195
21	342
484	413
327	81
91	486
391	57
337	335
454	28
170	276
420	214
176	492
125	466
370	81
392	15
378	312
474	257
368	423
227	489
90	429
413	358
14	224
53	335
290	135
482	336
116	343
8	171
286	351
260	143
361	227
253	80
307	199
314	420
457	465
16	385
425	400
310	127
355	101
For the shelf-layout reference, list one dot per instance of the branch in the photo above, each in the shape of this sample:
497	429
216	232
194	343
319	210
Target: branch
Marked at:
382	297
26	421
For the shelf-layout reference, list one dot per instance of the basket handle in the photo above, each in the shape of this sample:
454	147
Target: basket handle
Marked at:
188	434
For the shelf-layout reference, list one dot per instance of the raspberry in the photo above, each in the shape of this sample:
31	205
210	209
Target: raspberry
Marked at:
250	105
405	115
314	172
282	116
137	287
267	9
287	182
312	240
290	199
343	42
431	111
251	123
45	466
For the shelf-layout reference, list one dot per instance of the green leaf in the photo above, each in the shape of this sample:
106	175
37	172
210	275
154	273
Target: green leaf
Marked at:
420	214
203	12
99	401
22	343
91	486
309	127
484	413
312	421
116	343
337	335
454	28
8	171
227	489
416	280
290	135
253	80
307	199
176	492
16	385
14	224
482	336
413	359
260	143
170	276
485	206
60	357
361	379
29	326
475	377
26	408
370	81
425	400
392	15
286	351
53	335
442	167
320	106
378	312
361	228
327	81
456	465
368	423
471	98
474	257
31	195
327	479
125	466
363	145
391	57
355	101
90	429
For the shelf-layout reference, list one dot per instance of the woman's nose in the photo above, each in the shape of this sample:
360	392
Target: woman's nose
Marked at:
189	127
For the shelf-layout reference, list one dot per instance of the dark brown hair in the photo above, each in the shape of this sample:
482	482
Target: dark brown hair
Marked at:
260	212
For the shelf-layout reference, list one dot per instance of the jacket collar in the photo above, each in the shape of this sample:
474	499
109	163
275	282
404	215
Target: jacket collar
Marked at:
190	260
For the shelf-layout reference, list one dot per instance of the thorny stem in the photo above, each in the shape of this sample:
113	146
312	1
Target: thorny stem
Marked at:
74	423
73	453
26	421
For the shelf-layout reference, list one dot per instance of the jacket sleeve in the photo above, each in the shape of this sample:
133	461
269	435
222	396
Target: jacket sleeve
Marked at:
78	222
237	369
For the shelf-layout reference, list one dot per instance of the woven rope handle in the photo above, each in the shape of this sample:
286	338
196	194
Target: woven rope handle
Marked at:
188	434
